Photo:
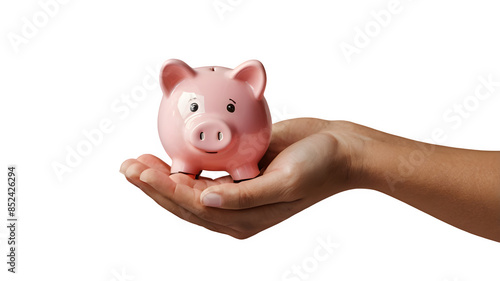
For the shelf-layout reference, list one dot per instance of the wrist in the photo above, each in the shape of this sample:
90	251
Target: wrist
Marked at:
375	157
353	144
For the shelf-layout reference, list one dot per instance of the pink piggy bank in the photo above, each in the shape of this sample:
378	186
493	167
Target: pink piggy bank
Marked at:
214	118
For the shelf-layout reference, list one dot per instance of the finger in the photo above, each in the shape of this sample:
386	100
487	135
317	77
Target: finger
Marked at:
186	197
269	188
182	212
237	223
133	170
182	194
126	164
154	162
159	181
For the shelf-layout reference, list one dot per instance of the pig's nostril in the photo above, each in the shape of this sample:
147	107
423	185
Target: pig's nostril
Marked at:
219	136
202	136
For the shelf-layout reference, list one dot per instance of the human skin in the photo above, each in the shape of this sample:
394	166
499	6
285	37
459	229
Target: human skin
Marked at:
309	160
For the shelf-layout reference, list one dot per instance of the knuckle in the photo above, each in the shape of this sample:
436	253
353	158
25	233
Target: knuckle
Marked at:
291	177
245	198
290	172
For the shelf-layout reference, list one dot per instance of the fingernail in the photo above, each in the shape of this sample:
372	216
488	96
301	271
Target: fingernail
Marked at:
143	177
122	169
212	200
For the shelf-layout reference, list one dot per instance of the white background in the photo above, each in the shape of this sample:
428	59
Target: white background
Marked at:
85	59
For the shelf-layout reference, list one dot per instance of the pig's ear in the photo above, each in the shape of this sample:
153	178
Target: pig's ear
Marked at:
253	73
172	73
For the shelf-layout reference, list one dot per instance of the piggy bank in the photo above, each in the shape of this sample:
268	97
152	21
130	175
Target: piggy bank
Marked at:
214	118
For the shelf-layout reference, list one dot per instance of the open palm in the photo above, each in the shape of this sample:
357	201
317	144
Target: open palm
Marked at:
298	170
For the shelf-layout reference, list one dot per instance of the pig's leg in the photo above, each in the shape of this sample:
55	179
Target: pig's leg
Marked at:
179	166
245	172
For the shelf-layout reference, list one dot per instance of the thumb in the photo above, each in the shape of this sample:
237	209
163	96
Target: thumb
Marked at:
269	188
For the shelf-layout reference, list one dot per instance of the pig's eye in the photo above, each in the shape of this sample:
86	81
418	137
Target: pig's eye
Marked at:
230	107
193	107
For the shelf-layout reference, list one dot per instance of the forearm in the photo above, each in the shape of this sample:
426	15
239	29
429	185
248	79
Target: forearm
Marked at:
458	186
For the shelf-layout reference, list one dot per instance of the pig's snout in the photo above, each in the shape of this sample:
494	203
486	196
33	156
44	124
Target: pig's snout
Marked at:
210	136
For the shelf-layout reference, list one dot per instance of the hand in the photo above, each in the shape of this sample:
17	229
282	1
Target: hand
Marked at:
307	161
311	159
